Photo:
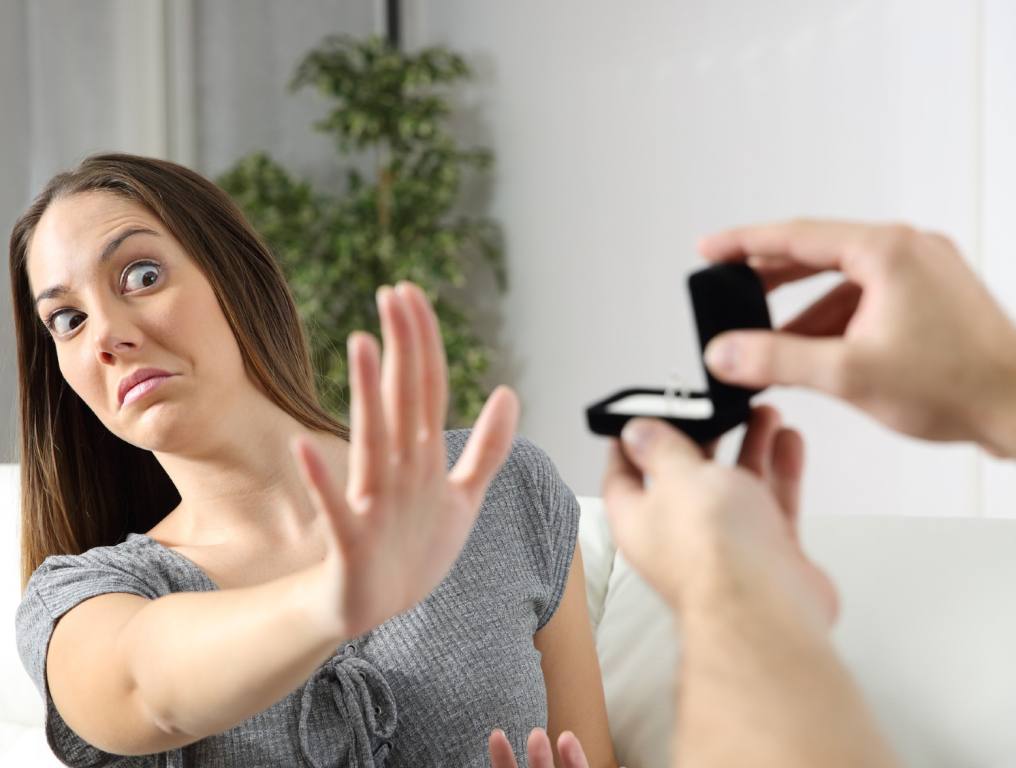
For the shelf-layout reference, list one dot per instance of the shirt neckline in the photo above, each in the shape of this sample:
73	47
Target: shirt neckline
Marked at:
179	557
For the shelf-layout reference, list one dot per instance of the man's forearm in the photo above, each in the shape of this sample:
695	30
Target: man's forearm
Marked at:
760	685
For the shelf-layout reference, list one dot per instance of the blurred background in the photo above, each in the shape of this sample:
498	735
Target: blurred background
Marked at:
618	133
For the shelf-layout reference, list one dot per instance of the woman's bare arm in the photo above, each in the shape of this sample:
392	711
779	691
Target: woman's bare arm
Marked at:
571	669
138	676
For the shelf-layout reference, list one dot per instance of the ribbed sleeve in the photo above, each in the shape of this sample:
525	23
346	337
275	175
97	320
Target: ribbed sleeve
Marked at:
57	586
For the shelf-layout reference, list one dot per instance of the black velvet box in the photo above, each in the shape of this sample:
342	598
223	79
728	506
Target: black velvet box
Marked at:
724	297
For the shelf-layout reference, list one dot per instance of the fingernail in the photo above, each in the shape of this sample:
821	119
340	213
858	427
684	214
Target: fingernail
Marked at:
721	355
638	435
360	504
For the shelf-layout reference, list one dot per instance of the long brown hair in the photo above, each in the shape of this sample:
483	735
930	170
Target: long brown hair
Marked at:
81	486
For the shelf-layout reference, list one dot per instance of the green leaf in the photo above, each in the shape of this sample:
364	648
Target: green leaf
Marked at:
388	108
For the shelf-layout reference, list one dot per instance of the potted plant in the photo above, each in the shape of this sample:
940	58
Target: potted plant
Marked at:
398	221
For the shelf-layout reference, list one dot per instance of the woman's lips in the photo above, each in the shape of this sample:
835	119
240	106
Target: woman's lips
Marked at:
141	389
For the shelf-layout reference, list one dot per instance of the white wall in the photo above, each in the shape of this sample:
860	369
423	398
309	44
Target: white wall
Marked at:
624	132
998	163
245	52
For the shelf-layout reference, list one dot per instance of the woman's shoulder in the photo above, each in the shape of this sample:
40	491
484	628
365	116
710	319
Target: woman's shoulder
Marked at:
137	565
527	482
526	459
133	551
529	519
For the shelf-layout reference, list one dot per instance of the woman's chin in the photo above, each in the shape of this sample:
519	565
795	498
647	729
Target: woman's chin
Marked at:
163	427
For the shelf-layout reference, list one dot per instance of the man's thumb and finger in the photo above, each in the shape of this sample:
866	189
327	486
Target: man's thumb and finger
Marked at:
757	359
654	447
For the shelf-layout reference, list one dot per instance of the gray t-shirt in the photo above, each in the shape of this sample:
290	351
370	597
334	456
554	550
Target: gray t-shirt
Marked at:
425	688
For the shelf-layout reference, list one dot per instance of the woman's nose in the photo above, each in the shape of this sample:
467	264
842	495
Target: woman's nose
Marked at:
114	335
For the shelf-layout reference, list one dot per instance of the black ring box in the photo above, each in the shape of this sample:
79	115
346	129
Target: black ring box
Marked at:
724	297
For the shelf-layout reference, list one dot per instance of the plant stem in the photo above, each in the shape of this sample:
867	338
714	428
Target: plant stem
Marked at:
384	192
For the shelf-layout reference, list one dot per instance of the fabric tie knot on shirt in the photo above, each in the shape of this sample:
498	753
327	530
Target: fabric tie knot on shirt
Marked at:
347	714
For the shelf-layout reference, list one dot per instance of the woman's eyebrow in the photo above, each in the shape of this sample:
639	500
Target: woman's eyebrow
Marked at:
107	252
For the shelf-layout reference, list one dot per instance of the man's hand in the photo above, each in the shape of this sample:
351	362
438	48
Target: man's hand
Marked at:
911	335
760	682
698	529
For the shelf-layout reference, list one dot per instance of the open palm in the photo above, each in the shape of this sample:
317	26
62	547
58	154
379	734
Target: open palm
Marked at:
401	520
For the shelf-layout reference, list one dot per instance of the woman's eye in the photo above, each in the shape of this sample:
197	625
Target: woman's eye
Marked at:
64	321
142	274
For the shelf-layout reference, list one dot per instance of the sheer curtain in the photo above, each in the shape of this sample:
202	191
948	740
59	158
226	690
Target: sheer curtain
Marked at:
201	82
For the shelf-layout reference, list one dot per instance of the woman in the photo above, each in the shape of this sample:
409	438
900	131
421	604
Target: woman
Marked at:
220	574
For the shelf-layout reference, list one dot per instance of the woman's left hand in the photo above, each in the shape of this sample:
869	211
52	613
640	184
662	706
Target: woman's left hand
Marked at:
538	751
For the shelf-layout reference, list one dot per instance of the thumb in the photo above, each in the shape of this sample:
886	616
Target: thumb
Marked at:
760	358
655	447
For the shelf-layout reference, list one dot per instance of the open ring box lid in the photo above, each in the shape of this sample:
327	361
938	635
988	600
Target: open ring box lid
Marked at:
724	297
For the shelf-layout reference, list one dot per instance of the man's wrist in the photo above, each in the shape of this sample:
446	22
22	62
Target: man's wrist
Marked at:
996	416
738	588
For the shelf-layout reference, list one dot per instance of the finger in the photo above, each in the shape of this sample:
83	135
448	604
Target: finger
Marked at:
757	445
433	364
400	374
500	749
487	447
623	496
571	752
710	448
787	471
829	315
819	245
321	490
758	359
368	448
829	594
538	749
622	481
773	275
656	448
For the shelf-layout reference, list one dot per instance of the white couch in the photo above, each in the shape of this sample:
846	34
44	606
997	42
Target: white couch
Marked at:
928	627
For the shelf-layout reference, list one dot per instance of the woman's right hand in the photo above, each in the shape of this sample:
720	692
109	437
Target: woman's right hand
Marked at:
538	751
401	519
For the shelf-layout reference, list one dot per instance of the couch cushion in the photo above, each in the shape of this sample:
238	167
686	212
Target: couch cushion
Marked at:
19	701
597	554
928	628
636	643
638	647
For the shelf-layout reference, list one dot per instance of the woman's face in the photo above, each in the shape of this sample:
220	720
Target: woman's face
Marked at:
120	297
